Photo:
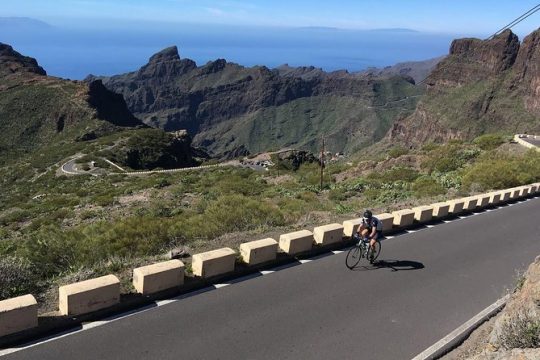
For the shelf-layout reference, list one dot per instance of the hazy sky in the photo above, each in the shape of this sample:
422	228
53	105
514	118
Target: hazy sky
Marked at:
455	16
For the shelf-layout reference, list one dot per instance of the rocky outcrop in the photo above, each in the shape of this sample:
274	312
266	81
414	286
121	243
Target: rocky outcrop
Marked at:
514	354
481	86
527	68
472	60
516	331
12	62
153	148
521	310
110	106
165	66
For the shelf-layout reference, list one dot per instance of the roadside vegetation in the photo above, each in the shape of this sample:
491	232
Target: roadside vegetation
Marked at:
56	229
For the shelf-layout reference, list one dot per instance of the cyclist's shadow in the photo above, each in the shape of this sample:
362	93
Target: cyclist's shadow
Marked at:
394	265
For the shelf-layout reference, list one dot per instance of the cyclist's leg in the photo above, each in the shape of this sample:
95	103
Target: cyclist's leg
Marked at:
364	233
378	235
373	243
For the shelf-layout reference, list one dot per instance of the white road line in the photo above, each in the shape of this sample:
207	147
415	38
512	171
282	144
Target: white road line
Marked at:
93	324
335	252
266	272
305	261
165	302
219	286
430	226
412	231
459	334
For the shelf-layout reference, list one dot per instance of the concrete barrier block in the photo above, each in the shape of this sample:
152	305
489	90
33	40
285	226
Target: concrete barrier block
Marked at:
423	214
387	221
18	314
440	209
469	203
351	226
403	218
328	234
212	263
514	193
524	191
534	189
296	242
505	195
259	251
482	201
90	295
158	277
494	198
456	206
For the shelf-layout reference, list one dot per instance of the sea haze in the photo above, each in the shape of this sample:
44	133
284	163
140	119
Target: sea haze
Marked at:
72	51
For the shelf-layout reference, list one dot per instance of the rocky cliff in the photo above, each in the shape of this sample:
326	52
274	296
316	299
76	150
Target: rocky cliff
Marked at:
232	109
38	111
527	71
481	86
12	62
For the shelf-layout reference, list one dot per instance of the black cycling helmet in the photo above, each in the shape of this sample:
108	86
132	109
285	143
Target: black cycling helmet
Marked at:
368	215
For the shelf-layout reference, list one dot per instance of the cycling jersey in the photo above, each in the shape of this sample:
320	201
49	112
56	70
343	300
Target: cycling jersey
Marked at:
372	223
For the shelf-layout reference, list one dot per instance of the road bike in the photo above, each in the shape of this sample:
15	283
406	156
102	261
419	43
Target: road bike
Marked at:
362	249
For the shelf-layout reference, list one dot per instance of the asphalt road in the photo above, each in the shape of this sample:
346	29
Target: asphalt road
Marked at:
530	140
69	167
428	283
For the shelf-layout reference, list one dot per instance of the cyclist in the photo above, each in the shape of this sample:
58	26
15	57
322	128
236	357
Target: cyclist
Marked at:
370	229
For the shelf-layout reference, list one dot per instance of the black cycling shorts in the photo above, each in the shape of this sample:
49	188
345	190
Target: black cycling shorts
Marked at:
378	234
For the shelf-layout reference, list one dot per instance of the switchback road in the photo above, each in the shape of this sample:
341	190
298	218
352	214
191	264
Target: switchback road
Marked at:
428	283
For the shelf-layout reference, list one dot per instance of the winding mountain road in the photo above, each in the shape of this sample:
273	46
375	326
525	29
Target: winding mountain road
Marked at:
427	283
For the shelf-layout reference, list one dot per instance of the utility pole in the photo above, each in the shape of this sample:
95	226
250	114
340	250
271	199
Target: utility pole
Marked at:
322	163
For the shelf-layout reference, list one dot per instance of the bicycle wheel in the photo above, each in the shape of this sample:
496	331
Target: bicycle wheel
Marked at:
353	257
373	252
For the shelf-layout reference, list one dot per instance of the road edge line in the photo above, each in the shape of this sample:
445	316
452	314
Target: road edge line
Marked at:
459	335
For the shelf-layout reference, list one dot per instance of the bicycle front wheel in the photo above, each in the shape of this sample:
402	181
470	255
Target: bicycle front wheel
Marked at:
374	251
353	257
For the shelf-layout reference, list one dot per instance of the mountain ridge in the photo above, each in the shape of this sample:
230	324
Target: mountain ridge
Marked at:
226	106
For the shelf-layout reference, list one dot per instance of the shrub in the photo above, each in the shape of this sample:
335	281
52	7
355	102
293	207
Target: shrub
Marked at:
503	171
50	250
489	141
17	277
449	157
397	173
426	186
521	330
397	151
388	194
16	215
337	194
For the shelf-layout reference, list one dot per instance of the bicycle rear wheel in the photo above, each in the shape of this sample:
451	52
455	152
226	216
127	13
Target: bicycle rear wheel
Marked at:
373	252
353	257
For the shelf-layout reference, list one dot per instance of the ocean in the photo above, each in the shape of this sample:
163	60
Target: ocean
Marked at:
107	50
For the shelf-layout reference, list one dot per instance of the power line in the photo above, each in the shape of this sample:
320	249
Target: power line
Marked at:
516	21
506	27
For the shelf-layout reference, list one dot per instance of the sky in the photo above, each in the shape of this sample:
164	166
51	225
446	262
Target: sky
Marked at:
456	16
107	37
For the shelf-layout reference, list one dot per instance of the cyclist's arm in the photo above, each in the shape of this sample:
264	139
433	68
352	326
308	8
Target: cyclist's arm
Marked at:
373	232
